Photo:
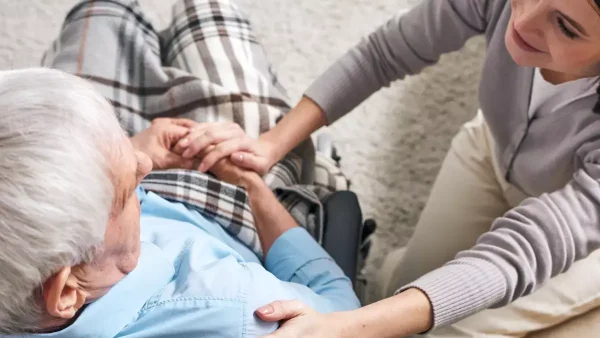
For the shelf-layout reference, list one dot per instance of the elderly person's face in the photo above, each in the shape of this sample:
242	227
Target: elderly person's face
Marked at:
72	287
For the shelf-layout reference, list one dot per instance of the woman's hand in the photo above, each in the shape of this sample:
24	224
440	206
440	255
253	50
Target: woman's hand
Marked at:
409	312
216	141
304	322
256	155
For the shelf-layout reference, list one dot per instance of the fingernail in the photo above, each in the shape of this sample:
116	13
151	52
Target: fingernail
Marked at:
184	142
241	157
266	310
201	168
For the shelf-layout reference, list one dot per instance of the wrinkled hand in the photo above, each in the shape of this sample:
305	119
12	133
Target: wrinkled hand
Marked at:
216	141
157	142
226	171
300	321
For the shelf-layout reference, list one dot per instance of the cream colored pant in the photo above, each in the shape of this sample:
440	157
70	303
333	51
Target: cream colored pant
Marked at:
469	193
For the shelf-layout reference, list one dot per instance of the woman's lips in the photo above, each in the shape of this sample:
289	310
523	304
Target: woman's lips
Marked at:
521	43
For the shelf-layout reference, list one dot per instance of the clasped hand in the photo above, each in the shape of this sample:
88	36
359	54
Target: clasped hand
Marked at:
222	148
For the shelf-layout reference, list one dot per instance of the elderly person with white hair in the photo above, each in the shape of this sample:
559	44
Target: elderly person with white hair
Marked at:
85	251
77	260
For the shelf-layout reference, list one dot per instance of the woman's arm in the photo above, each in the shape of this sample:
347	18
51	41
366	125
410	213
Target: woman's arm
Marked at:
381	319
530	244
404	314
296	126
403	46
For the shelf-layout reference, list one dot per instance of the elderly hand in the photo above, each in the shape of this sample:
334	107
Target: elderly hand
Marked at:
157	142
304	322
226	171
227	140
160	140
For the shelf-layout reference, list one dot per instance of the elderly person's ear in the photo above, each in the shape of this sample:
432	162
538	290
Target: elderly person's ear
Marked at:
62	295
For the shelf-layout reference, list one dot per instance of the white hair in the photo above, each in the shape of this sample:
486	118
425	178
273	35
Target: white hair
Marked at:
56	186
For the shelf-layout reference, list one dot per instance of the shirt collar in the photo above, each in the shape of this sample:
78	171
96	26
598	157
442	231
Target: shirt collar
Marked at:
107	316
140	192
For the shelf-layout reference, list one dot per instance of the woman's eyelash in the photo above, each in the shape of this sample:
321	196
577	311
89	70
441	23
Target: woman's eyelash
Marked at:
566	31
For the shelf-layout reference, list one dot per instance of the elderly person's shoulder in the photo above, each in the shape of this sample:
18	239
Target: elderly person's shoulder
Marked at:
85	252
71	256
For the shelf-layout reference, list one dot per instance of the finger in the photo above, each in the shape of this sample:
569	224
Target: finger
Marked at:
174	135
206	125
215	128
218	136
199	141
282	310
187	123
284	332
170	160
183	143
188	164
203	136
176	132
208	133
250	161
223	150
195	143
218	126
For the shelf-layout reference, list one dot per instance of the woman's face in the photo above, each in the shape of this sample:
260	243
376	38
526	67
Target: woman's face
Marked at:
559	35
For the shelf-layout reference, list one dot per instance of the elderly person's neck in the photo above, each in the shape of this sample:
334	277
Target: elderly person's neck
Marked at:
66	293
52	324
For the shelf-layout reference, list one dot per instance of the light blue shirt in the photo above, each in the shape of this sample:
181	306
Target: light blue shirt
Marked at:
194	280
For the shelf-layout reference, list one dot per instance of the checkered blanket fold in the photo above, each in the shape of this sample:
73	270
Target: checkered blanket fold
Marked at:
208	66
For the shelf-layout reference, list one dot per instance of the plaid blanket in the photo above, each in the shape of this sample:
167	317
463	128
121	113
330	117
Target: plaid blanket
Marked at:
208	66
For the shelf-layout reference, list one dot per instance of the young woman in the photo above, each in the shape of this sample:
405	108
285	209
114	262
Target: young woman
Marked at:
522	176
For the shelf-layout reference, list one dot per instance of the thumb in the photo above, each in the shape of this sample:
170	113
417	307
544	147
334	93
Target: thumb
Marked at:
171	160
174	133
282	310
183	122
250	161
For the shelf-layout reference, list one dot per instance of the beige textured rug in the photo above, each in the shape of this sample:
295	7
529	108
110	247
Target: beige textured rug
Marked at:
391	146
